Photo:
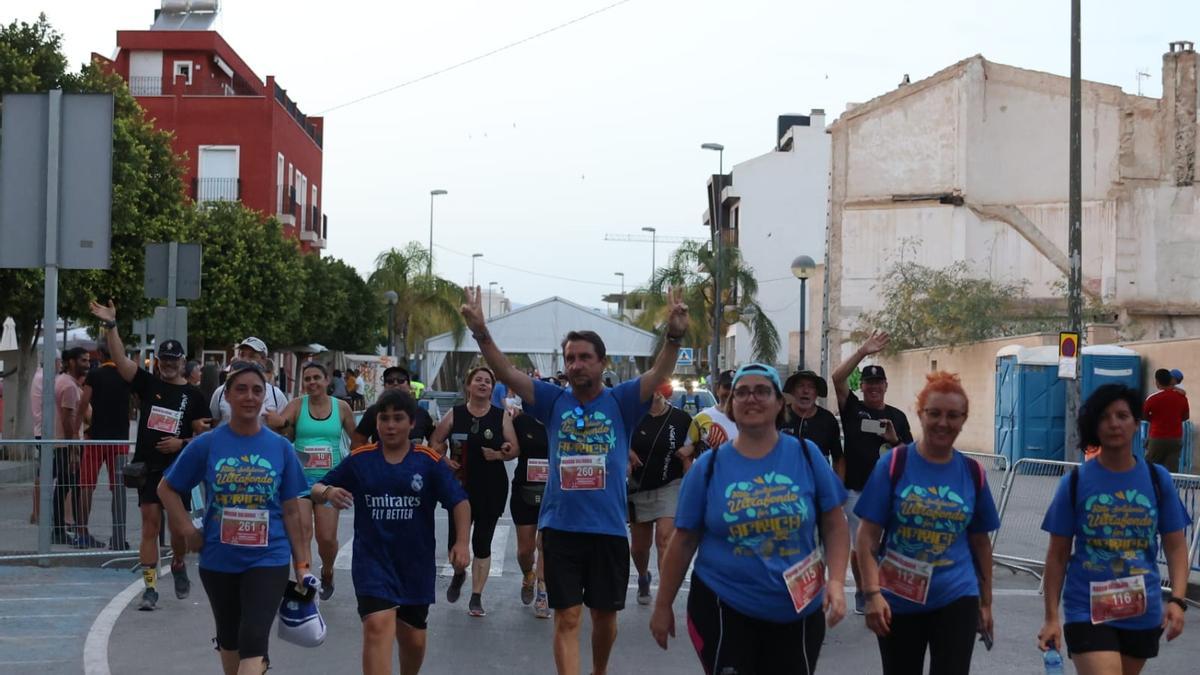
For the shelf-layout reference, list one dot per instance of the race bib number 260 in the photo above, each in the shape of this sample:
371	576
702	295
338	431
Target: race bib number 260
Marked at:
582	473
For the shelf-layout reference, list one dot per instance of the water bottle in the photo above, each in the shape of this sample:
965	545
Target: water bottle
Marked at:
1053	661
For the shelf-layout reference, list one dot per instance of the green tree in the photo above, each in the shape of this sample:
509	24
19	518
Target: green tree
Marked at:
338	309
252	280
927	307
426	307
690	268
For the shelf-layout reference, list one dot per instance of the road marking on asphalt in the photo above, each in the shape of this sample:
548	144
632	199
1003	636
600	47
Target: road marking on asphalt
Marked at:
95	647
345	555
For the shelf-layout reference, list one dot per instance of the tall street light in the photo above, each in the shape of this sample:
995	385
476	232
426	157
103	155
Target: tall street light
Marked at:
802	267
491	295
474	257
621	302
653	252
432	194
714	350
392	298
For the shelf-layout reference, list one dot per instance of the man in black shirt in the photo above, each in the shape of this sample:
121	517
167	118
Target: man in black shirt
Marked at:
394	377
656	453
171	412
807	420
869	425
108	395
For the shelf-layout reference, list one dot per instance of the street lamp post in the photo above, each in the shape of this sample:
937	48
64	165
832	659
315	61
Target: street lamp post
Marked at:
653	250
621	302
432	194
714	350
491	295
474	257
392	298
802	267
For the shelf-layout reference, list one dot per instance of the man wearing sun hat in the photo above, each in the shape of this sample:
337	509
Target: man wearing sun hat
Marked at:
805	419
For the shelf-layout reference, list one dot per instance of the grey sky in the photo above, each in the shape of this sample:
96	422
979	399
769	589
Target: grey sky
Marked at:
596	128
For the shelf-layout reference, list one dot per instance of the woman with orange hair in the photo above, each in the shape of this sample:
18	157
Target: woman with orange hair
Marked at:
923	546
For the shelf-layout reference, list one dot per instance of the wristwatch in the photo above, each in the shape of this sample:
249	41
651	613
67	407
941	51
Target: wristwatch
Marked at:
109	324
1178	601
675	339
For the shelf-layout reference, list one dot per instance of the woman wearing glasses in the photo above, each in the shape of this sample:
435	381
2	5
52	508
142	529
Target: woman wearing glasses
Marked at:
923	547
751	512
480	438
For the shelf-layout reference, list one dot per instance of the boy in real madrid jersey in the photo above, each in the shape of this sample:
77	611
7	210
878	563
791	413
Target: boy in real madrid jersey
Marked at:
394	487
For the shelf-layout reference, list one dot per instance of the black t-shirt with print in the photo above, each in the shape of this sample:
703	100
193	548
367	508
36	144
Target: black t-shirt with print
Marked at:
822	428
166	410
862	449
656	441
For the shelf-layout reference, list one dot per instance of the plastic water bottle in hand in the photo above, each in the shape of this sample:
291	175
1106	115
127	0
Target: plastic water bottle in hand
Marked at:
1053	661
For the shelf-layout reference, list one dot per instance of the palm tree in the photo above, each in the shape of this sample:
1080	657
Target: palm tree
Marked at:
427	306
690	267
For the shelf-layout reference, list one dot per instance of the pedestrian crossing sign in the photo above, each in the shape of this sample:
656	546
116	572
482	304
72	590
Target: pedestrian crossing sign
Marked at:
685	357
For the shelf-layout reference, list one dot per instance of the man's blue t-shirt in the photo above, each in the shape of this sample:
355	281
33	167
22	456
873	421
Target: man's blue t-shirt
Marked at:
757	518
393	520
1115	525
594	439
927	517
499	393
250	476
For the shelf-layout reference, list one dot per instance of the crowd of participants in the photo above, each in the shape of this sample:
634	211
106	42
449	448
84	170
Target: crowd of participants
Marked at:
766	495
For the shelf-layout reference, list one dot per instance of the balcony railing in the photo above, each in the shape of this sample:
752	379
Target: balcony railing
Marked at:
146	86
156	85
290	106
216	189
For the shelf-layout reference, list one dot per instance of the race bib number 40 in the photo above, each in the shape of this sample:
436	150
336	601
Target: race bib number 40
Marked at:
244	527
1123	598
582	473
905	577
537	471
164	419
317	457
805	580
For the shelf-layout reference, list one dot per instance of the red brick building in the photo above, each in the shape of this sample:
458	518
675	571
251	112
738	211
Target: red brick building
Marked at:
242	138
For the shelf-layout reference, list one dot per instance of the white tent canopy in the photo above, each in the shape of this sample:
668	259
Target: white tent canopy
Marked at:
538	329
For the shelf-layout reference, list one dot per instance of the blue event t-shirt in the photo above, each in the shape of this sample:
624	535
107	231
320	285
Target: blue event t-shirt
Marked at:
1114	523
257	472
757	518
393	520
926	517
607	423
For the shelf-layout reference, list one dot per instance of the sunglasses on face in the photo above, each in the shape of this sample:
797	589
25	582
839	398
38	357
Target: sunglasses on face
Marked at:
395	381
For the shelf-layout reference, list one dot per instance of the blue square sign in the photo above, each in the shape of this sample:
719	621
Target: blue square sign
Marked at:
685	357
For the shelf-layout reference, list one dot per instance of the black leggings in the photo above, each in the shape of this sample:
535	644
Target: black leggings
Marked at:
244	606
731	643
948	632
487	505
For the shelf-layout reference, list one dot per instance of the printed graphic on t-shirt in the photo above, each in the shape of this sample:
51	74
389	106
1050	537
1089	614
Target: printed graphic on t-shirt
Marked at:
764	515
586	433
246	481
394	507
928	520
1118	530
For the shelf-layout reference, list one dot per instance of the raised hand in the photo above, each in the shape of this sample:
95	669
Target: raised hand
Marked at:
877	342
103	312
472	310
678	318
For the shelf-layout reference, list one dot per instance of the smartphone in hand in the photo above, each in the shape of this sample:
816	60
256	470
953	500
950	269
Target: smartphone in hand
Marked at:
870	426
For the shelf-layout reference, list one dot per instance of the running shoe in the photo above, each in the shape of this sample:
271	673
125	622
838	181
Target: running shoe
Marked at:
86	540
541	606
149	600
61	537
528	585
860	603
326	586
455	588
644	589
475	607
183	585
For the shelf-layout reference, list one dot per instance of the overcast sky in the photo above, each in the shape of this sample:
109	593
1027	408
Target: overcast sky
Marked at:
596	128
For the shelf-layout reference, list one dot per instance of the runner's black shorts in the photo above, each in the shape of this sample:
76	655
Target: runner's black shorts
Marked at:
587	568
1083	637
728	641
416	616
148	493
244	605
521	512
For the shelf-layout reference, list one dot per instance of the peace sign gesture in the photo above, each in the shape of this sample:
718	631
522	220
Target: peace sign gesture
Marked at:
472	310
678	318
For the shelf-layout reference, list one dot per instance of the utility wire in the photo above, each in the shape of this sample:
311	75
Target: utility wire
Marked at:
479	57
607	284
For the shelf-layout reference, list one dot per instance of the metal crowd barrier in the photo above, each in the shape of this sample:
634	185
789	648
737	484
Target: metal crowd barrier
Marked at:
81	509
996	472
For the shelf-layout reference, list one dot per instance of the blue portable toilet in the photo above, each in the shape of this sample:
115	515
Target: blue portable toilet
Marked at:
1030	403
1109	364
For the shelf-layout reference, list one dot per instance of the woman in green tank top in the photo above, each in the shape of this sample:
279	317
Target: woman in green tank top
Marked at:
316	423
